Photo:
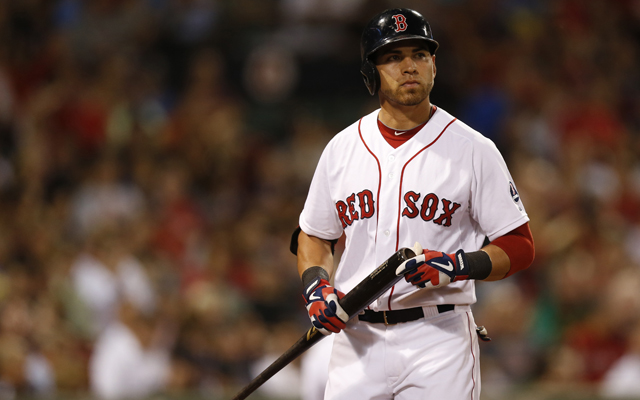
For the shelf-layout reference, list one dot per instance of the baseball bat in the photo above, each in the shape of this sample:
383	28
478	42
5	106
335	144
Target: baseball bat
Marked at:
363	294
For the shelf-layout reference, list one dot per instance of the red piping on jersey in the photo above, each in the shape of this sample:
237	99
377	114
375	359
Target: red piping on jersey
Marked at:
379	179
472	355
379	176
400	193
402	177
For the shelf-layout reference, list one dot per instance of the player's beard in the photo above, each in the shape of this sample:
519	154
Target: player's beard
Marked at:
408	97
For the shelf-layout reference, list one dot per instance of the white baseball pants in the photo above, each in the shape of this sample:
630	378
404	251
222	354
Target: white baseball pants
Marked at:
435	357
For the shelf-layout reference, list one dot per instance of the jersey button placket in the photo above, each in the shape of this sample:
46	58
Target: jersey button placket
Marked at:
391	158
386	240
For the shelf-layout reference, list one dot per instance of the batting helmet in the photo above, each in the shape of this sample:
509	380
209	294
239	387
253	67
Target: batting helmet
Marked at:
388	27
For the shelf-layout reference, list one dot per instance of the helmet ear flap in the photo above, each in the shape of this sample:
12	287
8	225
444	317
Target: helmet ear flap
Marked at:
371	77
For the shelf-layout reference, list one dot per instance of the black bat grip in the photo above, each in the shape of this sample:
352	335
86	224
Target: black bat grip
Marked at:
374	285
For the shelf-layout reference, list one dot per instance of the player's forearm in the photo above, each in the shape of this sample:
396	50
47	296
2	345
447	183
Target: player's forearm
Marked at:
510	253
500	263
313	251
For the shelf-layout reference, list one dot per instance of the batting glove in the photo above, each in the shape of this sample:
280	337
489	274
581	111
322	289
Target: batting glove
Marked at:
325	312
434	269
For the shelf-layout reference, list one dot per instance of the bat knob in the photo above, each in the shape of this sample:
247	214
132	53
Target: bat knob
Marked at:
407	253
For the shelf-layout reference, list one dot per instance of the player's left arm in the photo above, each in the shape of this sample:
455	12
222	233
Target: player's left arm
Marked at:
501	258
510	253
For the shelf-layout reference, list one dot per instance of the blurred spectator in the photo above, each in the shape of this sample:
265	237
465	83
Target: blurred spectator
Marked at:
621	380
103	198
131	357
40	375
314	370
285	384
106	274
271	74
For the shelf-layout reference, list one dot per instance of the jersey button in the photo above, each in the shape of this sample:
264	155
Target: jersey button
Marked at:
391	175
387	233
392	157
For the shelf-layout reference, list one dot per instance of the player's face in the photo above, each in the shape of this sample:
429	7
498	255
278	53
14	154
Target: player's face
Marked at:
407	71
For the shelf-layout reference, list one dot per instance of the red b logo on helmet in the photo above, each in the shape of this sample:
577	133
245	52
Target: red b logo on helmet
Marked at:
401	22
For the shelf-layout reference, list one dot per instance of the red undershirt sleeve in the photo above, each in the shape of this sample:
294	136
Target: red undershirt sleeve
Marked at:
518	244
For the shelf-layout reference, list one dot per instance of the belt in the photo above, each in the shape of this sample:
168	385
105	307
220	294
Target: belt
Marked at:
397	316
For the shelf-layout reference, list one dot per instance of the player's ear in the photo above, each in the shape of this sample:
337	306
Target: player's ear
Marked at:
433	61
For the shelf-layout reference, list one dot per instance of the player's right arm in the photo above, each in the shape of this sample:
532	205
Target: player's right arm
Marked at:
314	239
313	251
315	266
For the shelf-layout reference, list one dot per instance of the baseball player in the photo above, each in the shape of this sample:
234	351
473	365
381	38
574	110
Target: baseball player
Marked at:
407	175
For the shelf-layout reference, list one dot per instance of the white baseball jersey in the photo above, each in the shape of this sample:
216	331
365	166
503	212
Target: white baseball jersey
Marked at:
447	188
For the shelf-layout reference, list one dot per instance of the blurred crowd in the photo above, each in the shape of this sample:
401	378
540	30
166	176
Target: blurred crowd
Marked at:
155	156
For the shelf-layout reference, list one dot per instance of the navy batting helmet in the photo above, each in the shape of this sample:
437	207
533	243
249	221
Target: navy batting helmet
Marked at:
388	27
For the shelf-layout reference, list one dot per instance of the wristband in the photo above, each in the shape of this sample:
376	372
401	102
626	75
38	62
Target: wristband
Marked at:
480	265
312	273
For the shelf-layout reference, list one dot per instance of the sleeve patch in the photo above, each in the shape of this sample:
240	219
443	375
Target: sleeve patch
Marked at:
515	196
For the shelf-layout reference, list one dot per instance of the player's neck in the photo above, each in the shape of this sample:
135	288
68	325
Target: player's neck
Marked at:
404	117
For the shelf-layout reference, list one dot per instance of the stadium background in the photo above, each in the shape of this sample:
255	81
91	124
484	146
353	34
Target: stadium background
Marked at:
155	154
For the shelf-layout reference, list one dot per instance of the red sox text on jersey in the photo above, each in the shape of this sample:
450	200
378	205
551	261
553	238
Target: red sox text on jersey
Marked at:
362	206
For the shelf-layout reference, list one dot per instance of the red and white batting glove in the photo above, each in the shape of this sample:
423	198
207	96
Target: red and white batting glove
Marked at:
434	269
325	312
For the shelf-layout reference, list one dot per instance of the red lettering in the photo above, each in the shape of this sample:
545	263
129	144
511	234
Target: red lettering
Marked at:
410	199
351	201
429	207
449	209
401	22
341	206
366	204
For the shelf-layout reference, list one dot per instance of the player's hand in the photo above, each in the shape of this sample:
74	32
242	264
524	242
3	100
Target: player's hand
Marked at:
325	312
433	269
